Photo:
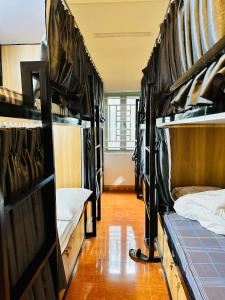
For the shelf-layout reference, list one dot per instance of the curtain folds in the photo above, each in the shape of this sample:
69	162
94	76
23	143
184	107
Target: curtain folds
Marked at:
70	64
203	22
216	25
21	165
165	201
189	29
195	30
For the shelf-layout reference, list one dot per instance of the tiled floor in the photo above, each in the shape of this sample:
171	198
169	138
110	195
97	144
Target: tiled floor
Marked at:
105	271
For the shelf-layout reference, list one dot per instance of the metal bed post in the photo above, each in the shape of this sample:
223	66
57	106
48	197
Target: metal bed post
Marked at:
147	170
137	154
149	193
152	187
93	175
93	157
98	160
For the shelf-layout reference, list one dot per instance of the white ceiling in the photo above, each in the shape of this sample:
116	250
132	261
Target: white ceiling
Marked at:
22	21
120	36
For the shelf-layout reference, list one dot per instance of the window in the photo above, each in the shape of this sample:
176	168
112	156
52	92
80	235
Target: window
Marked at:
120	113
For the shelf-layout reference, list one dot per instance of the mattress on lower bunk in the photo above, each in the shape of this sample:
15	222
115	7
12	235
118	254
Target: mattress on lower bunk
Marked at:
201	254
70	204
66	228
10	96
13	97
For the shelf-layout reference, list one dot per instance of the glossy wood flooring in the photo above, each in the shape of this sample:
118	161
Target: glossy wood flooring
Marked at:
105	271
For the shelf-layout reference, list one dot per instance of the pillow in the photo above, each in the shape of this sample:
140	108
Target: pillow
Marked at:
178	192
208	208
69	200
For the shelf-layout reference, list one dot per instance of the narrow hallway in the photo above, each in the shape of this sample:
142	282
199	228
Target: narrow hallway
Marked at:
105	271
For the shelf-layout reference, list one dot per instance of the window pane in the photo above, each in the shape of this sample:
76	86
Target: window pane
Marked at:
113	100
131	100
120	123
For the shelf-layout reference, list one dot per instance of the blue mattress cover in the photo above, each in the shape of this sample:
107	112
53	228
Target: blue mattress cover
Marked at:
201	254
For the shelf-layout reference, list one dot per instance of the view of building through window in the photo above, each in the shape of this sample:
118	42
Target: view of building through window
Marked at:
120	123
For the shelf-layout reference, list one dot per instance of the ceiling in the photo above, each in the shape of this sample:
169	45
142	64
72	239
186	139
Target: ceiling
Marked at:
119	36
25	14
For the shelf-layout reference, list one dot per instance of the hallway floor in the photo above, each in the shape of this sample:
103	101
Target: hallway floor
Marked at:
105	271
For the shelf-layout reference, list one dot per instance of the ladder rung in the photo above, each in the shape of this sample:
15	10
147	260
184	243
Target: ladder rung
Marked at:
28	278
15	201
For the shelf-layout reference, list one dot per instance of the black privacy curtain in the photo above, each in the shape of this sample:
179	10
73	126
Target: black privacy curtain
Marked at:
21	165
70	64
189	29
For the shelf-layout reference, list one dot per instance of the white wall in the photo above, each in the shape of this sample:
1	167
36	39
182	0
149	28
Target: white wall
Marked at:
119	169
11	58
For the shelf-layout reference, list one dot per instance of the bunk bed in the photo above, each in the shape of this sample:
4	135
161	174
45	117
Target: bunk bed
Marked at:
71	93
29	252
184	139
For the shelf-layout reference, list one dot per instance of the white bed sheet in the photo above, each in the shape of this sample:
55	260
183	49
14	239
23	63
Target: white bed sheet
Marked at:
66	228
208	208
69	200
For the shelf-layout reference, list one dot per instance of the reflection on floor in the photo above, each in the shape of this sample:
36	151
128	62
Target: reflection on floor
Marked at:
105	271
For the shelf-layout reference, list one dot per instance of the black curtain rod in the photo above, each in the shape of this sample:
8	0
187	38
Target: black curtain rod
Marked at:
76	26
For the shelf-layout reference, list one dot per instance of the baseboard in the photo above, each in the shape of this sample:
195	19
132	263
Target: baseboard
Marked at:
119	188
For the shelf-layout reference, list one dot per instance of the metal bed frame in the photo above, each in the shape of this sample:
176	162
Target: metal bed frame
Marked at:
50	248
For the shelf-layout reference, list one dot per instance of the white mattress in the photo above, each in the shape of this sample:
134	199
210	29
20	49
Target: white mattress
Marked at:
66	228
70	203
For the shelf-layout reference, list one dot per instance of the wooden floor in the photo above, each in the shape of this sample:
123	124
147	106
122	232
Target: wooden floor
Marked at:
105	270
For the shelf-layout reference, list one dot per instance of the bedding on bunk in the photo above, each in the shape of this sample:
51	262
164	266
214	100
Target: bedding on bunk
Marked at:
76	86
21	165
177	192
69	200
66	228
12	97
70	204
208	208
166	195
200	254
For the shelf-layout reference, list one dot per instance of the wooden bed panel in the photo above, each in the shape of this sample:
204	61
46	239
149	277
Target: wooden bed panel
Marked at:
174	278
160	237
198	155
71	253
73	248
68	165
68	156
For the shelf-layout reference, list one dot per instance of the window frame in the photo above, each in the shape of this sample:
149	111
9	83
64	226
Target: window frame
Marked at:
123	101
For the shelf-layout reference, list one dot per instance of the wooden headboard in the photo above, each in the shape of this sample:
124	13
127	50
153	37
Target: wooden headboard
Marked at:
198	155
68	156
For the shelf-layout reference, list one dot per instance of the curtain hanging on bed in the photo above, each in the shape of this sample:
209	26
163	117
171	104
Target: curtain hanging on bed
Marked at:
70	64
189	29
21	165
163	157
